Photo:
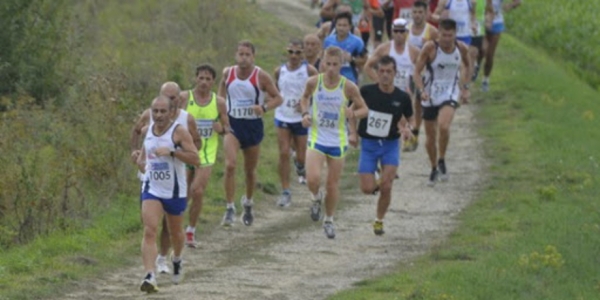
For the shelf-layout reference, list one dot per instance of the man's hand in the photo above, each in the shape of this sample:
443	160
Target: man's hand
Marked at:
258	110
134	156
353	139
406	133
465	94
306	121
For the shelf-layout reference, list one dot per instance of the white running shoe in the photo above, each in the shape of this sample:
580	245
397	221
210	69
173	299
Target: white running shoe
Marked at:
161	265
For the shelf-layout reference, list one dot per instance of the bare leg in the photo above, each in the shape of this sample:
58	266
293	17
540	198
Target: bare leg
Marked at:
430	144
492	40
165	242
368	185
230	145
152	212
444	120
201	177
388	174
314	163
250	163
335	167
284	137
175	224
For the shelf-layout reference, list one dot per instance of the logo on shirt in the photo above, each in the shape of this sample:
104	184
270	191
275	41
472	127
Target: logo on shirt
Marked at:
396	104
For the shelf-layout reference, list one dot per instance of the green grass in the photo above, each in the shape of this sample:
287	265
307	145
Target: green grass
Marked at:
567	30
534	232
120	57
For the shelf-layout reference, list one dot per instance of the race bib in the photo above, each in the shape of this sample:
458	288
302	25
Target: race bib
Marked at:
205	128
328	120
242	109
291	107
441	90
406	13
159	171
378	124
401	79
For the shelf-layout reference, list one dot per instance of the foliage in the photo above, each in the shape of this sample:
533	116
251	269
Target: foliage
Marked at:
565	29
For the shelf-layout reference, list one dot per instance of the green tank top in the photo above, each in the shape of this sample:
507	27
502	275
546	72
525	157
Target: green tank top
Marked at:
356	5
205	116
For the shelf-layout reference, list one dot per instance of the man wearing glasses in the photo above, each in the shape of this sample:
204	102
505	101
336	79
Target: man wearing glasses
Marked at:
290	79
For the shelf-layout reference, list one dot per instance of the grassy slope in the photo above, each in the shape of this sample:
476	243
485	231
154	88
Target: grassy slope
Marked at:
534	232
50	264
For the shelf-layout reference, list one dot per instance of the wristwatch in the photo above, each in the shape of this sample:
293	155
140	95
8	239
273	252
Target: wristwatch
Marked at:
172	153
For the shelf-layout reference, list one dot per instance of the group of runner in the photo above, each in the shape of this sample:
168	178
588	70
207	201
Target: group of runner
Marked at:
420	75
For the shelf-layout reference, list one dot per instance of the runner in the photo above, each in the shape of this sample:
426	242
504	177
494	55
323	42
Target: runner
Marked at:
439	97
312	50
328	134
210	115
419	33
383	22
167	148
244	86
354	54
492	36
328	28
170	90
404	55
380	132
291	78
483	8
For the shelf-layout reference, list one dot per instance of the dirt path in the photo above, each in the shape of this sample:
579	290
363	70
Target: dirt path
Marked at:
285	255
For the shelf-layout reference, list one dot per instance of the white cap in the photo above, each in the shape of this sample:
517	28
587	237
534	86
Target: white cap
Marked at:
400	22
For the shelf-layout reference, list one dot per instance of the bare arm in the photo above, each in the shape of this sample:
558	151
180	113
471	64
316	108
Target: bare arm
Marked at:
305	100
223	84
422	60
324	30
473	17
358	109
371	63
222	127
136	132
437	14
183	97
188	153
276	76
433	33
193	129
141	158
465	94
273	94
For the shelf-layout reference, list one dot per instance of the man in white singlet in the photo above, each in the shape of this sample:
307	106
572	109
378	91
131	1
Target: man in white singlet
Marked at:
244	86
167	148
440	94
326	117
170	90
402	52
291	78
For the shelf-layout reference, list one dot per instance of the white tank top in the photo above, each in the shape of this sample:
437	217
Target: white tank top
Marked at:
404	66
442	77
459	11
498	16
329	115
243	94
418	40
291	85
165	175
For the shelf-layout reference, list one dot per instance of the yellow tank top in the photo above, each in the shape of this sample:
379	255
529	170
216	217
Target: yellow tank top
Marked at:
205	116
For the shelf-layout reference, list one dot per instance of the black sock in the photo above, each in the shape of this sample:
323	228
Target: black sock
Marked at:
441	161
415	132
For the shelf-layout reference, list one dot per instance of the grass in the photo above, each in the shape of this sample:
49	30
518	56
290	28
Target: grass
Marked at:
127	60
571	34
533	233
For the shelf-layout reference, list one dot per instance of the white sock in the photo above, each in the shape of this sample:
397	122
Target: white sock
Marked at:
316	196
176	259
486	79
190	229
378	220
328	219
247	201
230	205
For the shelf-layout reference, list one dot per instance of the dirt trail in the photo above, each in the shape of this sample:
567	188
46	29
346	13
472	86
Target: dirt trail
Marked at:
285	255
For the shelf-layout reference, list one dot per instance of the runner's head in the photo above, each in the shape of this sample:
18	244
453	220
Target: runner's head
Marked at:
312	45
171	90
386	70
419	12
332	61
205	76
245	54
295	50
343	8
161	110
399	30
447	31
343	24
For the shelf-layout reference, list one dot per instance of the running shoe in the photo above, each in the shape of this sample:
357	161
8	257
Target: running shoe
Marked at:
149	284
302	179
285	199
161	265
229	217
177	272
485	85
329	229
378	228
475	73
442	168
190	240
247	216
433	177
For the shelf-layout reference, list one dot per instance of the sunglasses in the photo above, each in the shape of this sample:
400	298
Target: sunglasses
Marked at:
297	52
400	30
